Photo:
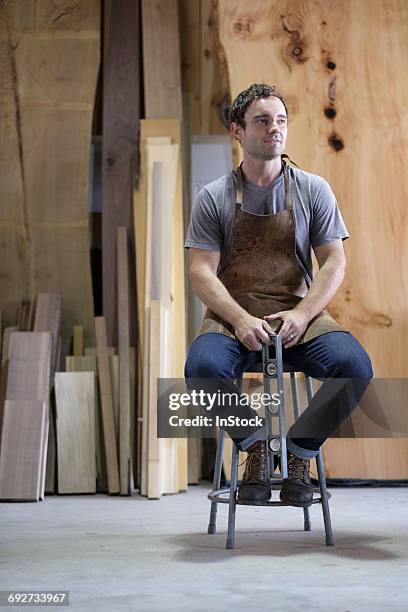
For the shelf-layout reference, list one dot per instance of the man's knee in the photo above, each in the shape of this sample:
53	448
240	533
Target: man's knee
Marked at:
203	366
355	364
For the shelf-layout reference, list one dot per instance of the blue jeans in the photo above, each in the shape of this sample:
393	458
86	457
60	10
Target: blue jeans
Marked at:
336	356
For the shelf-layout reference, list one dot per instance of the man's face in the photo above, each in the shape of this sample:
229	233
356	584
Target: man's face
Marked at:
266	131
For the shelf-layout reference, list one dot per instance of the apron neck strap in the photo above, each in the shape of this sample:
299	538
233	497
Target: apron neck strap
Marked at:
288	199
238	174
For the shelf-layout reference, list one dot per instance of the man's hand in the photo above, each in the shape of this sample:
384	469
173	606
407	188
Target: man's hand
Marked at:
293	328
252	331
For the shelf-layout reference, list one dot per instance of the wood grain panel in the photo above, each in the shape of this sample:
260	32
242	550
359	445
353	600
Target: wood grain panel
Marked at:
45	152
75	407
29	375
124	360
121	111
161	59
21	457
105	389
29	366
204	74
48	318
87	363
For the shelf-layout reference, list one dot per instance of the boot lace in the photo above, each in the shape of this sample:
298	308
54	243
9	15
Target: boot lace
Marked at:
298	469
255	467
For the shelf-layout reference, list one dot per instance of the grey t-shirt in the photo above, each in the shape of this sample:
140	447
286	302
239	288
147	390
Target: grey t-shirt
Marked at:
317	216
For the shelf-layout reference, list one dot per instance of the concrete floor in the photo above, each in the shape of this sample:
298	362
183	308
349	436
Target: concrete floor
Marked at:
117	554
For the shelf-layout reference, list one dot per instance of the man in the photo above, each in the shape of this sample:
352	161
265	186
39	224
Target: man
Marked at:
250	240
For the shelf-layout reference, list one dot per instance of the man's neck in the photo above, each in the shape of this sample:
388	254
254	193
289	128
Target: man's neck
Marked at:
261	172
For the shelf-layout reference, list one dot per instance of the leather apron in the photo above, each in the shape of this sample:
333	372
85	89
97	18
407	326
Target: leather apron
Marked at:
262	272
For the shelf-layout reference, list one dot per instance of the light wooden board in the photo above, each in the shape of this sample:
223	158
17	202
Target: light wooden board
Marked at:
21	457
29	374
91	351
133	418
154	463
4	368
312	50
105	389
124	360
78	341
156	150
114	374
161	59
373	458
75	405
194	460
161	128
86	363
29	366
48	318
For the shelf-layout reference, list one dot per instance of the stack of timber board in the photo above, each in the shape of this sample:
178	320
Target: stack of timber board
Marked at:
44	153
26	417
163	308
327	58
88	364
158	215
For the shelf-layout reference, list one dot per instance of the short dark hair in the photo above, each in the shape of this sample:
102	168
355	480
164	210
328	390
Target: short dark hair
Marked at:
253	92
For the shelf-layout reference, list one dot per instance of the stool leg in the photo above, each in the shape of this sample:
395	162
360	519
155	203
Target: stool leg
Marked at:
307	526
325	500
212	525
322	479
232	497
296	413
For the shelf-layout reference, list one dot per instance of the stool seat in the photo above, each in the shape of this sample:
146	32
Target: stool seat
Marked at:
272	368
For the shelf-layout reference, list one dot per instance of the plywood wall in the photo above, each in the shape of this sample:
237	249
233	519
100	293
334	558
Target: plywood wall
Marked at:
49	64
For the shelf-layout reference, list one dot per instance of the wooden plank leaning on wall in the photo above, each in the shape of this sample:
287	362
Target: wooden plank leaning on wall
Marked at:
105	390
48	318
333	113
26	410
125	455
121	111
75	409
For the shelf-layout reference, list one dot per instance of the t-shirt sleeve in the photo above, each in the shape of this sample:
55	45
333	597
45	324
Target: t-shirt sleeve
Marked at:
204	230
327	223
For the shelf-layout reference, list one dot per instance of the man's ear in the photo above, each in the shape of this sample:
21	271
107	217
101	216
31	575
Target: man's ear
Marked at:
236	130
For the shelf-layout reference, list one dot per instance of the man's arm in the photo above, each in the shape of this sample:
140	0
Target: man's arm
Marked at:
203	266
332	263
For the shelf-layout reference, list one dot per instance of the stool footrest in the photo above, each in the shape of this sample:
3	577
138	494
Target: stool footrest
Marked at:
217	497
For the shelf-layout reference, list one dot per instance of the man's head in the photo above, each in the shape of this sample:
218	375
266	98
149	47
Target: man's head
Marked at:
258	120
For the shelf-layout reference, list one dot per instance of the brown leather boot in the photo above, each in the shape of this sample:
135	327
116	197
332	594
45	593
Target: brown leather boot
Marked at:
297	489
255	485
